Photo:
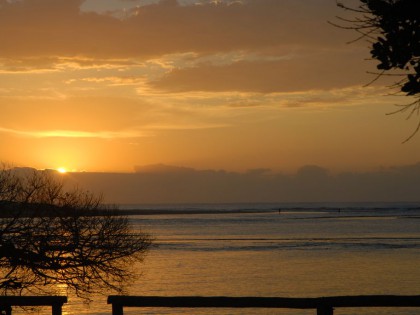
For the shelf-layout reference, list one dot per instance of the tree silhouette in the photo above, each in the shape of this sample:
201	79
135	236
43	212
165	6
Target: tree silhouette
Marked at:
393	29
51	237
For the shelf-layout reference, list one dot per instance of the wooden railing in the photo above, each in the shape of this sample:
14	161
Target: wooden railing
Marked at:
322	305
56	303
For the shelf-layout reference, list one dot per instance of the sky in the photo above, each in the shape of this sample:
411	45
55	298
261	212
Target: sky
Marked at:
232	85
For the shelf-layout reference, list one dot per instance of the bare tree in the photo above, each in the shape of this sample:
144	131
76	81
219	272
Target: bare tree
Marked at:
50	236
393	29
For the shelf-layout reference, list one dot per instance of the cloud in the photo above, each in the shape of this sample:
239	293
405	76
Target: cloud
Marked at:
104	117
261	46
73	134
59	28
27	64
162	169
303	71
173	184
114	80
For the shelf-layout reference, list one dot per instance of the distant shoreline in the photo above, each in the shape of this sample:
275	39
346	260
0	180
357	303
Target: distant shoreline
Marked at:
130	212
188	212
9	210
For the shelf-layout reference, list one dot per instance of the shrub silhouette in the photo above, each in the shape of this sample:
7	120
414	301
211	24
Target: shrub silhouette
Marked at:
50	236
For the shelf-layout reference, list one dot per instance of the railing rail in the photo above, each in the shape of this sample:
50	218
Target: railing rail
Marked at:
56	303
323	305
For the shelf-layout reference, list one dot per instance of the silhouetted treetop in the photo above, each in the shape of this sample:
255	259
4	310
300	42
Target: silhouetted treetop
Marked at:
51	236
393	28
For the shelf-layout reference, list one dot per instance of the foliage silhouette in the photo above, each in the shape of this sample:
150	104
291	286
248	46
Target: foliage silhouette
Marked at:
393	28
51	237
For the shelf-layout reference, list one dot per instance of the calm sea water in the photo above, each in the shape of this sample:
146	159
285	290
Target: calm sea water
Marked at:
306	250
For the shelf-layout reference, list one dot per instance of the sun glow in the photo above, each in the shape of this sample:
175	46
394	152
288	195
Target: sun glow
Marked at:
61	170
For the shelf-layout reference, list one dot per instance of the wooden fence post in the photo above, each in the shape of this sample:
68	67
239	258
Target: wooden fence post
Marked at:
56	309
117	309
7	309
324	310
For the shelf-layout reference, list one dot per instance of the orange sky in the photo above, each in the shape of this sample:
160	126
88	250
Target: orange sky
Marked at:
105	85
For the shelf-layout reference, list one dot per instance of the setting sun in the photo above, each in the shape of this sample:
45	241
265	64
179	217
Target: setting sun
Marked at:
61	170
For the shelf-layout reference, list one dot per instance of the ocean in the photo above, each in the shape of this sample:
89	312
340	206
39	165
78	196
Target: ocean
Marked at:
284	250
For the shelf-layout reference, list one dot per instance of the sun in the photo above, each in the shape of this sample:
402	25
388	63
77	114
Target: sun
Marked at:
61	170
